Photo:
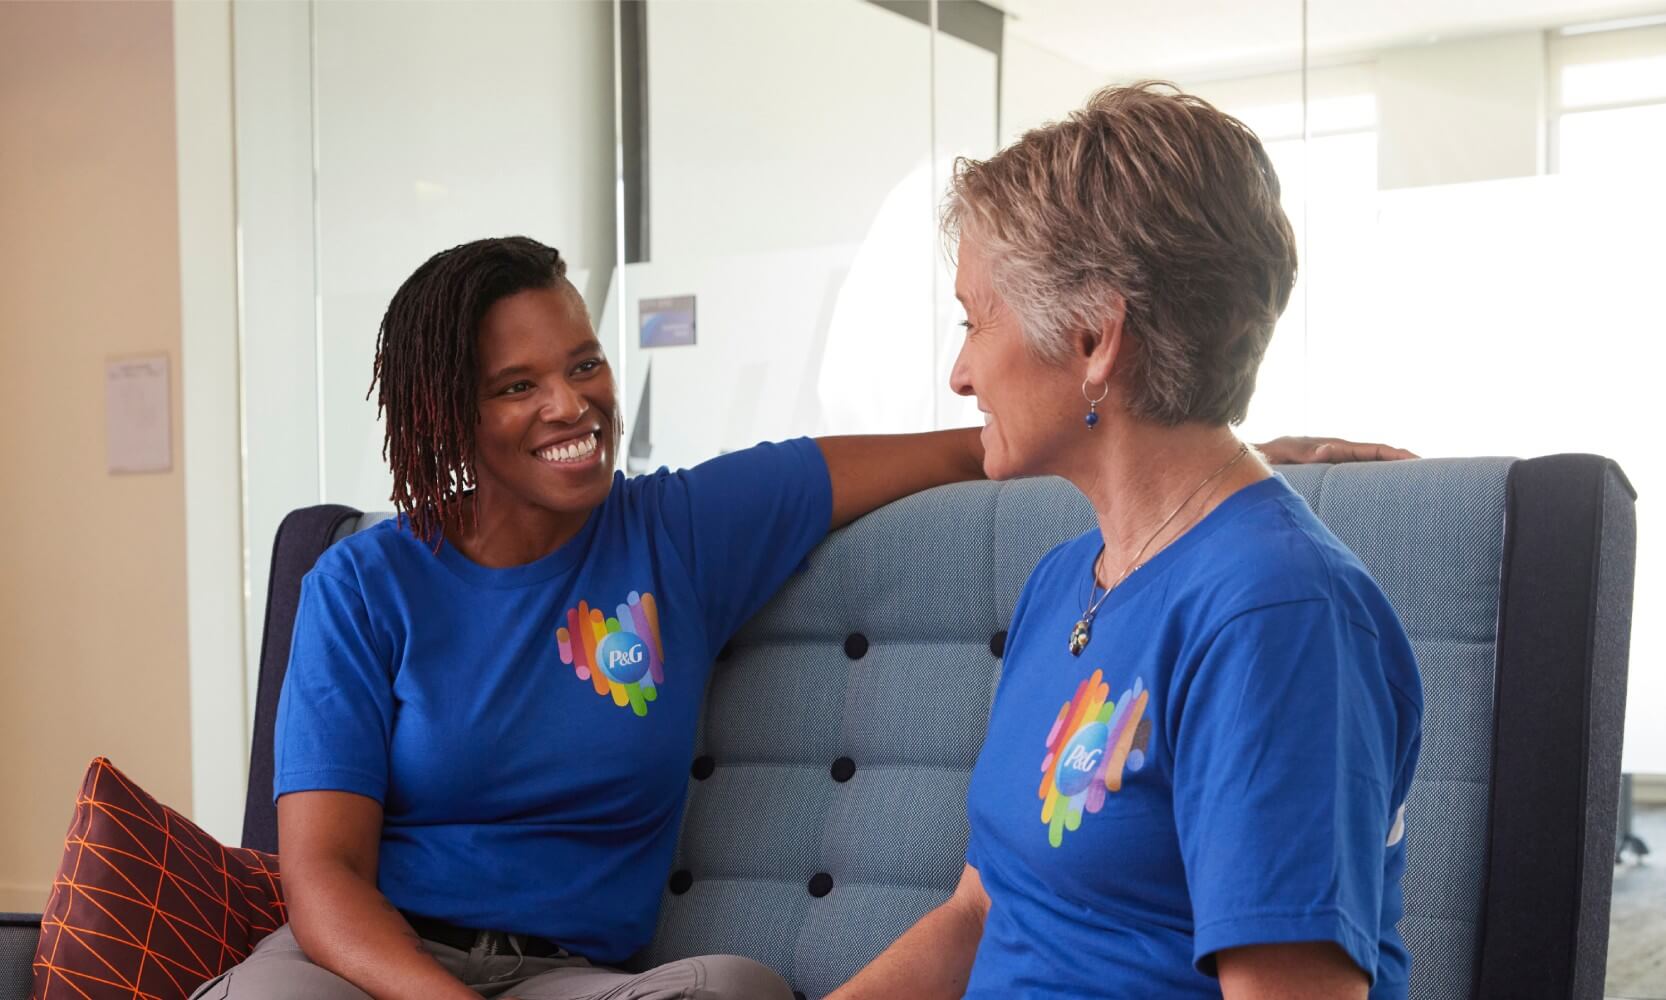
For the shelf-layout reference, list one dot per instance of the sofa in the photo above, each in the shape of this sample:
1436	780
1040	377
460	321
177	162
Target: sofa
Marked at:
826	803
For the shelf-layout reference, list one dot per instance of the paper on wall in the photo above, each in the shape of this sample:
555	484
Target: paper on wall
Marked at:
137	426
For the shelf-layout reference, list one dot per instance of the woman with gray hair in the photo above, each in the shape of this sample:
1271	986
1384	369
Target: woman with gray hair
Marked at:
1223	706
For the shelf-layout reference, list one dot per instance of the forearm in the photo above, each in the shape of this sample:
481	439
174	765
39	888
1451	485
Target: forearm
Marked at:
346	926
1303	970
872	470
933	960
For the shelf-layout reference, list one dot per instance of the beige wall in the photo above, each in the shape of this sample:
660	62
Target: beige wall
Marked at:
92	590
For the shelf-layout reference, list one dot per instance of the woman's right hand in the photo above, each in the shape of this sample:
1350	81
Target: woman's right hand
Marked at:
329	844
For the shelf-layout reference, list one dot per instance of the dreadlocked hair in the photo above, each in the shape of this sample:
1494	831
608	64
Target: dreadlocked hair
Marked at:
425	374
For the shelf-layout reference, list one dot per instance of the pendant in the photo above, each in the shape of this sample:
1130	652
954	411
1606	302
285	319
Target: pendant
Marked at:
1079	636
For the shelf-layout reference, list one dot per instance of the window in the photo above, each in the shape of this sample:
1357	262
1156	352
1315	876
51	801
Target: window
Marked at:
1608	108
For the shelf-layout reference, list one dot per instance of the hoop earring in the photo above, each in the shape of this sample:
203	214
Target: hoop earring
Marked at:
1092	419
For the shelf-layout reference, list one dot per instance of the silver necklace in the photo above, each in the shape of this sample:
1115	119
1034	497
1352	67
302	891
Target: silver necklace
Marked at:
1082	633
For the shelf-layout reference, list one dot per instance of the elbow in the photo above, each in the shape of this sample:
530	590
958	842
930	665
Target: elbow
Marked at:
973	913
314	892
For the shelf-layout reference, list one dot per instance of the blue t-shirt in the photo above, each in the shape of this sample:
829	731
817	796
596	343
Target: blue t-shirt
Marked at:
1224	765
528	730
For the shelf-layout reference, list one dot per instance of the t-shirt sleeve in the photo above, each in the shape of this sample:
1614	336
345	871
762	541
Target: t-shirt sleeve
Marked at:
745	521
335	715
1285	774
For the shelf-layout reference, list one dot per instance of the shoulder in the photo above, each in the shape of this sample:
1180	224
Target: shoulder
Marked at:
1279	560
737	479
765	463
1275	551
1068	563
384	550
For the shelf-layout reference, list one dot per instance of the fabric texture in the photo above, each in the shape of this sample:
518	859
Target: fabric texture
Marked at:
1565	621
1402	519
145	903
279	970
1222	765
527	730
19	933
941	575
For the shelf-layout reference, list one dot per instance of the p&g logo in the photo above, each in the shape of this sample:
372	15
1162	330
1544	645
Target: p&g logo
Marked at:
1081	758
623	656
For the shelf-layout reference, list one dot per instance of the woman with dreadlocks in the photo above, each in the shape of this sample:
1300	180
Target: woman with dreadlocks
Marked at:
485	731
491	700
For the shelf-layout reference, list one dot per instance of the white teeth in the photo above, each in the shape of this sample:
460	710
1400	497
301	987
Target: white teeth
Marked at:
572	451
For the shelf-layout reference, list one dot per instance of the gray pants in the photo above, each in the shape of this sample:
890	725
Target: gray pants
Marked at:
278	970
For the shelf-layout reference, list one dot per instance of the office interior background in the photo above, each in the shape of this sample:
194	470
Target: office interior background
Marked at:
240	186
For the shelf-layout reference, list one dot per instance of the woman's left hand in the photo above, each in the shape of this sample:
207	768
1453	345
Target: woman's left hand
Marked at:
1305	450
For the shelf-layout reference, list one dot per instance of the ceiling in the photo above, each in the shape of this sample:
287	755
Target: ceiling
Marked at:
1199	39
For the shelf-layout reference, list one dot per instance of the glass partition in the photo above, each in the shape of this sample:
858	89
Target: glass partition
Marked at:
785	218
437	123
370	136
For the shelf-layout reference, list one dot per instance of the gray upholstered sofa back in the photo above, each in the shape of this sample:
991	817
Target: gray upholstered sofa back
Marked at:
827	801
826	808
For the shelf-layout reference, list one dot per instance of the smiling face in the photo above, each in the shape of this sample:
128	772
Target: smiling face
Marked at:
547	432
1032	408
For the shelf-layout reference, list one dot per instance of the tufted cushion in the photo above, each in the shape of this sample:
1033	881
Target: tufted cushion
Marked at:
782	861
145	903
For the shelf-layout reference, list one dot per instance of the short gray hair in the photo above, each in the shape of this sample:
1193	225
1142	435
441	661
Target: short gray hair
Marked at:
1149	201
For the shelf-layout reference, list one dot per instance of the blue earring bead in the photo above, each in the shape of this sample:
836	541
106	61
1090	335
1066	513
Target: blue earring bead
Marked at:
1093	403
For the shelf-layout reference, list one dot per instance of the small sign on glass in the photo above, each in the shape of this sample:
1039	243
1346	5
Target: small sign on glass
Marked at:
667	321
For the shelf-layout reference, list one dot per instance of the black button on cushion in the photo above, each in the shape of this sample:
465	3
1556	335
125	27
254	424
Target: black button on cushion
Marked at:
998	643
821	884
856	645
798	995
680	882
727	651
843	768
703	768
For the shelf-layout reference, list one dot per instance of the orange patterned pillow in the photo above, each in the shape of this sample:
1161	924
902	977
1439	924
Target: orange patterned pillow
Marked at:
145	903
